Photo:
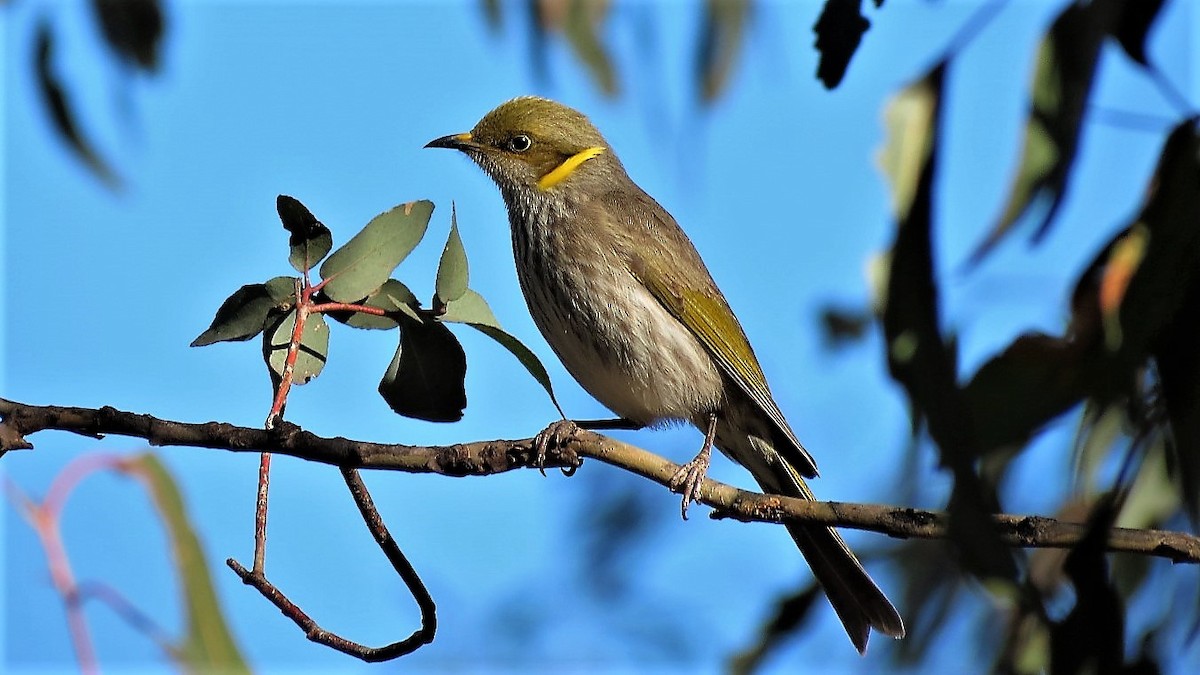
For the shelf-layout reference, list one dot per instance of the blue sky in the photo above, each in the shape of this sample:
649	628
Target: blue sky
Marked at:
775	183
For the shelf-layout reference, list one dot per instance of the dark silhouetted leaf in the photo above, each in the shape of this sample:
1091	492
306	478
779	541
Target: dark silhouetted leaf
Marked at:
1137	16
839	31
314	346
843	326
452	274
55	98
1037	378
1092	637
1066	63
721	34
355	270
244	313
393	297
133	28
1178	357
425	378
208	644
921	360
309	239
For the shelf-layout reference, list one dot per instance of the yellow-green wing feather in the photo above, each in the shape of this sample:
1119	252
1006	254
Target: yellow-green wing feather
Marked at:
698	304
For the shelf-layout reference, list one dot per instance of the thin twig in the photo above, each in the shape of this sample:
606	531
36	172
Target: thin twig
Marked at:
260	513
489	457
313	631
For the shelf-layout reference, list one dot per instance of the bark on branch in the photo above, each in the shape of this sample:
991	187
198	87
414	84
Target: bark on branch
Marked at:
482	458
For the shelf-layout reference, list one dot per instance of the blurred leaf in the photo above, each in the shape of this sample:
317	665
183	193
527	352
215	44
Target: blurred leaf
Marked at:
843	326
1066	63
839	31
1099	430
244	313
932	586
1092	637
310	240
791	612
1126	255
393	297
1137	16
452	274
55	98
314	346
492	12
581	27
425	378
1037	378
910	118
133	29
721	38
355	270
208	645
473	310
926	366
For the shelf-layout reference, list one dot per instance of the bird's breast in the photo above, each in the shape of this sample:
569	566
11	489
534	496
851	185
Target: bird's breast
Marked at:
612	335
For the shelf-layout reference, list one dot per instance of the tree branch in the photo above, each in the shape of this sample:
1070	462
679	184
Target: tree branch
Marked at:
482	458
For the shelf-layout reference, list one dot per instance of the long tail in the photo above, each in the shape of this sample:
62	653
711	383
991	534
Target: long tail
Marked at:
857	600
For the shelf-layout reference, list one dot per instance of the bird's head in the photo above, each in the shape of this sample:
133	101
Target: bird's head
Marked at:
535	144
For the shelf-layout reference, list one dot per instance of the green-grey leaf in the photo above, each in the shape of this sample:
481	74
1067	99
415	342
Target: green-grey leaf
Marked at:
244	313
524	355
470	308
425	378
355	270
392	297
314	346
452	274
310	240
208	645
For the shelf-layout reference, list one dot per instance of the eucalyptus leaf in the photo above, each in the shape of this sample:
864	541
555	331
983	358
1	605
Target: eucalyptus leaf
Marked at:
208	644
244	313
310	240
355	270
313	351
452	274
392	297
1062	84
425	379
469	308
524	355
909	118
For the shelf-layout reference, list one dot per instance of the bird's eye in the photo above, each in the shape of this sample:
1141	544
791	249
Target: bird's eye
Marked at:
519	143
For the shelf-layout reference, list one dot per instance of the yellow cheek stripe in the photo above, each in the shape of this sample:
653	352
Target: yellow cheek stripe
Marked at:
560	172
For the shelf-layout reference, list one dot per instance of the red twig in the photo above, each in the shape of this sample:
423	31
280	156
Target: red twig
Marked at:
347	307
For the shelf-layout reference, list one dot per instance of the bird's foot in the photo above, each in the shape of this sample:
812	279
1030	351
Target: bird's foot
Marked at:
556	435
688	478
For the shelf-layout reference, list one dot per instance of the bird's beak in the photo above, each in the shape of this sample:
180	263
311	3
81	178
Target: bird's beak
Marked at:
453	141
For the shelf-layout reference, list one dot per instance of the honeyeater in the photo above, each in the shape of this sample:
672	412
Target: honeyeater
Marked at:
625	301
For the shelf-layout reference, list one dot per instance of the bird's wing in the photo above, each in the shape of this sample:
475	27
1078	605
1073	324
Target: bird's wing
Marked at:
699	305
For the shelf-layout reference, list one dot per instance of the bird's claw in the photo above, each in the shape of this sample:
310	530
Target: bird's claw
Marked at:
556	435
687	481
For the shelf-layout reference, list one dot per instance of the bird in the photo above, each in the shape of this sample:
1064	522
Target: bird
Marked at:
624	300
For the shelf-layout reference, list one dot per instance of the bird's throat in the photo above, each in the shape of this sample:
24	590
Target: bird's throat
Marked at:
560	173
